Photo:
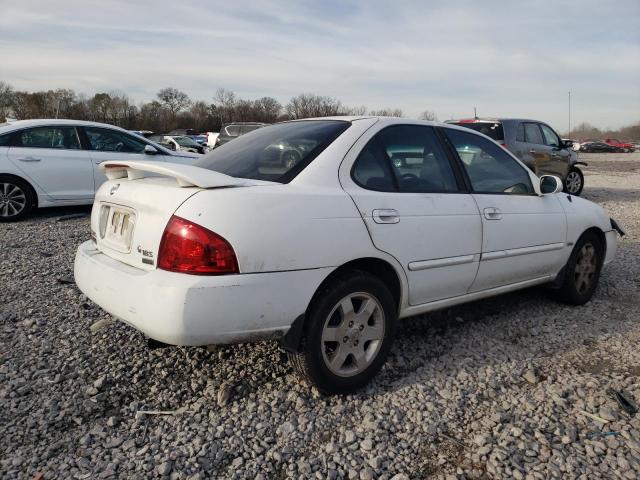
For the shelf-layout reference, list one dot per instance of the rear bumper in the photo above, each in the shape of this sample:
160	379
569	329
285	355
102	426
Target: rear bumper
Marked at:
181	309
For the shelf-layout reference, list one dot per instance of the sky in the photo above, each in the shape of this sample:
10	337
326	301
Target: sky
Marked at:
506	58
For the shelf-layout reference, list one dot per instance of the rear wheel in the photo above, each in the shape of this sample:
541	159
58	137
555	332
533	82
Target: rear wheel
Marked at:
16	199
574	183
349	331
582	271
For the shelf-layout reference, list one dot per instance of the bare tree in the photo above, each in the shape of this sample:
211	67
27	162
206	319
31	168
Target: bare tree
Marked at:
307	105
387	112
356	111
6	100
173	100
428	115
267	109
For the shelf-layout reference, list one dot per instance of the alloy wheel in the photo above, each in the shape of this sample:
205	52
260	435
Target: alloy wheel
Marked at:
586	267
13	200
573	182
352	334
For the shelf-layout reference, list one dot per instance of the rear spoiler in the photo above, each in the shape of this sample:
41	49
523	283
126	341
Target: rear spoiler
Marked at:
185	175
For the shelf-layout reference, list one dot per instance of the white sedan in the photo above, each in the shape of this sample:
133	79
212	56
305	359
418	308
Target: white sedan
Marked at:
47	163
379	219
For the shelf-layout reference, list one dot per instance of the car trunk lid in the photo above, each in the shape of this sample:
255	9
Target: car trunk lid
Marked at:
131	209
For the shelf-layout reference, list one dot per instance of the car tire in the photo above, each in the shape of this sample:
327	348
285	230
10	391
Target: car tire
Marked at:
16	198
582	271
349	329
574	182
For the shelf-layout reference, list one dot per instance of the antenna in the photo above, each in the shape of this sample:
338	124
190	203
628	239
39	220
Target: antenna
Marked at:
475	113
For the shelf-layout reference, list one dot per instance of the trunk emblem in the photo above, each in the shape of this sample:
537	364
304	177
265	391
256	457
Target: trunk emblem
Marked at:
145	253
114	189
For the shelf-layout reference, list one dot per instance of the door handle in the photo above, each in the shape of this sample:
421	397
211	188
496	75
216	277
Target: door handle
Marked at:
385	215
492	213
532	151
28	159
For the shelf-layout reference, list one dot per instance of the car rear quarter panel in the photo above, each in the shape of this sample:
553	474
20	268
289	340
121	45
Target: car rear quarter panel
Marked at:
283	227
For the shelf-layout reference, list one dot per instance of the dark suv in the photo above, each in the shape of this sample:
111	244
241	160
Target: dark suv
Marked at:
229	131
536	144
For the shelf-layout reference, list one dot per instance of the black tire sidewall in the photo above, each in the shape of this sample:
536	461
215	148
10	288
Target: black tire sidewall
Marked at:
324	379
569	290
24	186
581	175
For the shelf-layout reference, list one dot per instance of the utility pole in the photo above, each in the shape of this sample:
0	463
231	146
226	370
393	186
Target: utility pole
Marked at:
569	113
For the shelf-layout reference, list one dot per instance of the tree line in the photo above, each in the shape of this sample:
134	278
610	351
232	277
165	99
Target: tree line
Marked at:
173	108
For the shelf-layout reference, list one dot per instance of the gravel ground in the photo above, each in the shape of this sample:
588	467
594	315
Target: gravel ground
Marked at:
493	389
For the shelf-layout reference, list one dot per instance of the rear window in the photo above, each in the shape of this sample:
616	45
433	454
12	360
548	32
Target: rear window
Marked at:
492	130
275	153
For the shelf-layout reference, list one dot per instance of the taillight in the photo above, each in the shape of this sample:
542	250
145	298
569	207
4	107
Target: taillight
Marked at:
187	247
503	145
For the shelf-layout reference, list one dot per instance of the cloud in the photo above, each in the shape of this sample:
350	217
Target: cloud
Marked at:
506	58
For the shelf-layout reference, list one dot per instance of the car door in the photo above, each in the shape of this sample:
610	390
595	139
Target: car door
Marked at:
538	153
52	157
111	144
523	234
560	156
414	205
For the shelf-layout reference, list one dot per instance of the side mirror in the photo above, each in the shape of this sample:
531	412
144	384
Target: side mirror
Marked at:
567	144
150	149
550	184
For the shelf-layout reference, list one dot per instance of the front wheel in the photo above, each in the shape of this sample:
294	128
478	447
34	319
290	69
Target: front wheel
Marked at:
582	271
349	331
574	183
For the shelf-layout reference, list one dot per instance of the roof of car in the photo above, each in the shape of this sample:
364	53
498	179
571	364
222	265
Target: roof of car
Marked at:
492	119
36	122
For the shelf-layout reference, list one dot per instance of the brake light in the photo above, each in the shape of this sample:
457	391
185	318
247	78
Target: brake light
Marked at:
467	120
187	247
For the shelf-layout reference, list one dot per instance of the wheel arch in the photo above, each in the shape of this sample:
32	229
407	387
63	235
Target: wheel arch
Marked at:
377	267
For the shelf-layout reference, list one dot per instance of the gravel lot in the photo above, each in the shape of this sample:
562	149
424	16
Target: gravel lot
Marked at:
493	389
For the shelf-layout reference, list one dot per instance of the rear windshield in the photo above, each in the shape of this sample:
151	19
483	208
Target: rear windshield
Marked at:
490	129
276	153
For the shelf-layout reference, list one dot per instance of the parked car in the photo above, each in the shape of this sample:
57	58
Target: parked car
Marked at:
179	143
142	133
233	130
346	240
184	132
599	147
624	146
46	163
575	144
536	144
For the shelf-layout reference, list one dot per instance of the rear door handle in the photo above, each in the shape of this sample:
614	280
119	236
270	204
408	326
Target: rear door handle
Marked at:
385	215
532	151
28	159
492	213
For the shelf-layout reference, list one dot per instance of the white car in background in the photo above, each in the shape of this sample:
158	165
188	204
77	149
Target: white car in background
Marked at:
46	163
379	219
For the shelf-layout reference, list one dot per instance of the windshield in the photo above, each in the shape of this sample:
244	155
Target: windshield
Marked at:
185	142
275	153
492	130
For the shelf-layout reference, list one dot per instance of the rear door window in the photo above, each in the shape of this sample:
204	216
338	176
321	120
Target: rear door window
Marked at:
416	159
65	138
532	134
